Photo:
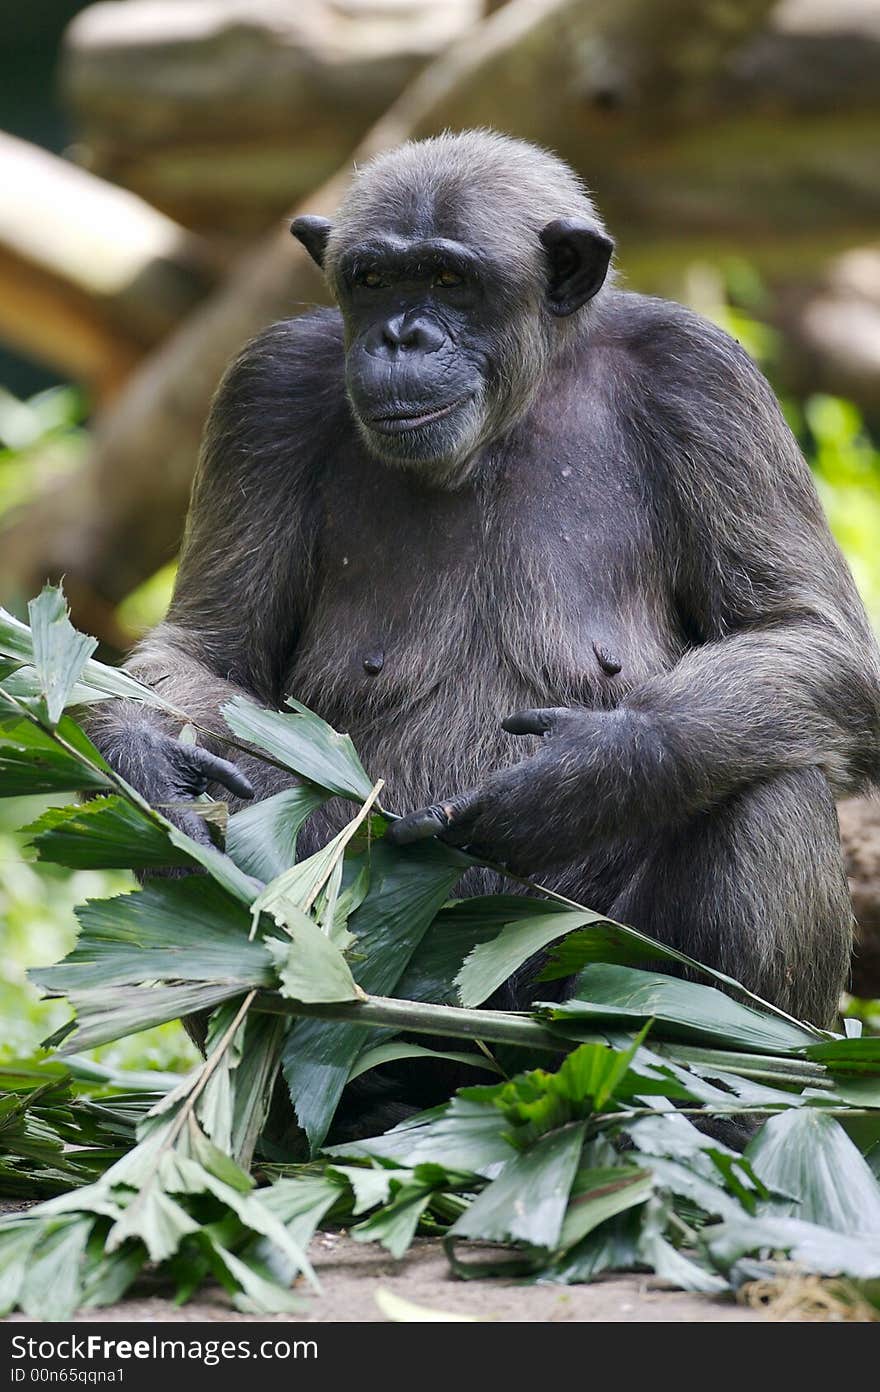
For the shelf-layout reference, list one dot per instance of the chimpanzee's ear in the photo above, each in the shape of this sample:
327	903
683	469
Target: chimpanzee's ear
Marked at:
579	255
313	233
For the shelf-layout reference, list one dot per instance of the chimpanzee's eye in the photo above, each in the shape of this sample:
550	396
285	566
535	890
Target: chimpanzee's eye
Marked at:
447	279
371	279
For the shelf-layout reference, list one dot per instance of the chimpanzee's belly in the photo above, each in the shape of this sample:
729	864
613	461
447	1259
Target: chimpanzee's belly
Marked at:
436	613
421	675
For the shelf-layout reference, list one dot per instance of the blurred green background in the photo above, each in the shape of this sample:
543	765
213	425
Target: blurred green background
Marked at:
151	151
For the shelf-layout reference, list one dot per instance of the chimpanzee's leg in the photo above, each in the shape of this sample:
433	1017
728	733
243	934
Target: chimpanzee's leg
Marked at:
756	887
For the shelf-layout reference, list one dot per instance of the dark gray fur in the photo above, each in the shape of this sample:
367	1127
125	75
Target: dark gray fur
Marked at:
628	497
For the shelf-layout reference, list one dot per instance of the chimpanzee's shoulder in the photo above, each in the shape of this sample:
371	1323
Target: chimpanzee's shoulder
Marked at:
668	344
319	331
282	399
299	360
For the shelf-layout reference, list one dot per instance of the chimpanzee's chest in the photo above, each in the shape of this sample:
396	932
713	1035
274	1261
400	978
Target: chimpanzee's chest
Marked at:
544	584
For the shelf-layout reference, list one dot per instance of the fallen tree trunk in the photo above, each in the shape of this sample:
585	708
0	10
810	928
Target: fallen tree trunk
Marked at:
91	277
679	124
224	114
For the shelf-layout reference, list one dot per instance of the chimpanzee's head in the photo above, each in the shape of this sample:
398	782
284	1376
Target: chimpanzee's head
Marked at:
462	266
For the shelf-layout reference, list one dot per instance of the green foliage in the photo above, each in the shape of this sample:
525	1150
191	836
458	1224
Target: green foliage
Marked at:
530	1164
60	653
800	1157
40	441
104	834
613	995
147	605
40	1113
32	761
87	1246
177	946
303	743
591	1165
406	891
37	926
847	467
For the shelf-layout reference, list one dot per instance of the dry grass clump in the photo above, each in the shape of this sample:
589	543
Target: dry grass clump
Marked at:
796	1295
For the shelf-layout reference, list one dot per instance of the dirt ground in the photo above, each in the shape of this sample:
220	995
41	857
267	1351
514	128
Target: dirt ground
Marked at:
351	1273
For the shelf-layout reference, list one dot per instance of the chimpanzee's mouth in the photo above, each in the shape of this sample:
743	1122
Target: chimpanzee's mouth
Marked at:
398	422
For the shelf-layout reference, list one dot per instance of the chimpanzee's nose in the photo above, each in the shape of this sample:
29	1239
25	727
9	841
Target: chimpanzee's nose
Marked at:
409	333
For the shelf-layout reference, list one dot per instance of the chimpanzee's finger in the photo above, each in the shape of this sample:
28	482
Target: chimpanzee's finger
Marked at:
418	826
534	722
440	819
195	826
220	771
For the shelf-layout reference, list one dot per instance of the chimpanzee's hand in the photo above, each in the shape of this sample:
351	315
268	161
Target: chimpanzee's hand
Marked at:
187	769
167	771
535	812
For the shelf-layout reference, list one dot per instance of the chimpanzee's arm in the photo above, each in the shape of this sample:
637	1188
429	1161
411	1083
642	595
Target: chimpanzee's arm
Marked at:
786	673
243	580
783	671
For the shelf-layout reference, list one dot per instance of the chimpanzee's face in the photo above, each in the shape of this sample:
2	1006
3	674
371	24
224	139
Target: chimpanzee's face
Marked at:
419	352
447	340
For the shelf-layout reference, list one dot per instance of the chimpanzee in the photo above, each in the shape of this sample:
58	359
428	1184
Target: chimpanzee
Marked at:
548	550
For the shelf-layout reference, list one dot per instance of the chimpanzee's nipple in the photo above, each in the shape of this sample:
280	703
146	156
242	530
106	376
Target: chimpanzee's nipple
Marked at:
374	662
606	660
